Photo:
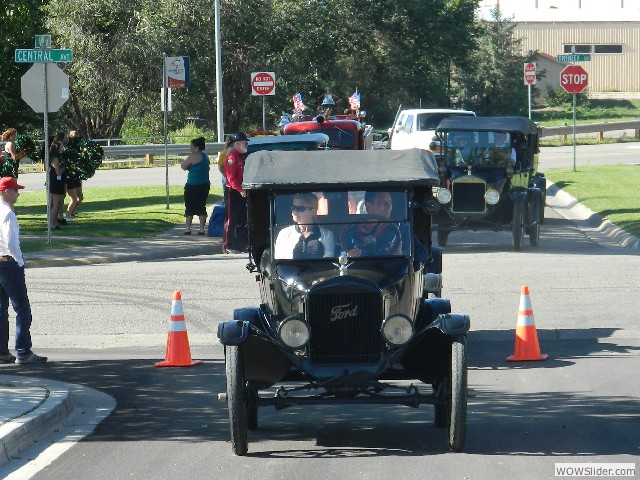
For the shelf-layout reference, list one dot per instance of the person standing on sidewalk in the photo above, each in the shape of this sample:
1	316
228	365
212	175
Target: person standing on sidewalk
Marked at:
196	190
235	232
12	282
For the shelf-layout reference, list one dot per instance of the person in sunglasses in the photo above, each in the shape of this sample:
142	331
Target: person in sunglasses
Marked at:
304	239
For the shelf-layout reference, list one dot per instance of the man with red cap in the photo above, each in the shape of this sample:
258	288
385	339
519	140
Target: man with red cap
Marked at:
12	283
235	233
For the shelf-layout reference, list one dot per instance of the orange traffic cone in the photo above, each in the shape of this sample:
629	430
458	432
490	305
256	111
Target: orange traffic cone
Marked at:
178	353
527	347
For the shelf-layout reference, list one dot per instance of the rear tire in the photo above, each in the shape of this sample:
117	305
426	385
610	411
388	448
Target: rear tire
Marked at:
236	400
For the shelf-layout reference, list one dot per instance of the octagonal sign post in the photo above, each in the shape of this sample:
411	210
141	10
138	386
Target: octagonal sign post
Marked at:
574	79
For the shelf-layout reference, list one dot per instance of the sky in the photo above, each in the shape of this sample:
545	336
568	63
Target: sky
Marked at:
564	10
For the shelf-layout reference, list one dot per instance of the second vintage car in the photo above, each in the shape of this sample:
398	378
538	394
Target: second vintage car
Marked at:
489	179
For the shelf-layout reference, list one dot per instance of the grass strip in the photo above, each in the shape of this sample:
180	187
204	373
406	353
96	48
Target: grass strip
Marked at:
609	190
110	213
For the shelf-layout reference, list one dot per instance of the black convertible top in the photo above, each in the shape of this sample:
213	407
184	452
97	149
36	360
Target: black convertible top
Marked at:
338	168
488	124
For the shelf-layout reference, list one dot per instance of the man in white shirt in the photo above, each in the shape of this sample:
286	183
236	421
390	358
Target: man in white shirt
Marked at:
12	282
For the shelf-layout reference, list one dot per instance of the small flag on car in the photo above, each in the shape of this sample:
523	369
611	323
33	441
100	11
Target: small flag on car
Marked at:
298	106
354	100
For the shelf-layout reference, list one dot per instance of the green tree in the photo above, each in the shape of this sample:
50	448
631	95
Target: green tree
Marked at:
21	21
489	80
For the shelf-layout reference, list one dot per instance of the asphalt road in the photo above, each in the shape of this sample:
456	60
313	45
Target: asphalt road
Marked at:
104	327
550	157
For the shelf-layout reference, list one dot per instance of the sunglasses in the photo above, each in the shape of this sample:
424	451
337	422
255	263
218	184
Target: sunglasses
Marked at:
300	208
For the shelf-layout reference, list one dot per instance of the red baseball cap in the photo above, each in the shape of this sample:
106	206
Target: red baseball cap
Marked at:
7	183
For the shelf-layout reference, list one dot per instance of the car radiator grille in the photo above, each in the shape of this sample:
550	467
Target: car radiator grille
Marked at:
468	197
345	327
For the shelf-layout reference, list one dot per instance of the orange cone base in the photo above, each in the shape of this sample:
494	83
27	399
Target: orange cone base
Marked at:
177	352
513	358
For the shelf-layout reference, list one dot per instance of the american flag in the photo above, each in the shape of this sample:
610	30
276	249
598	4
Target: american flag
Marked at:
354	100
298	106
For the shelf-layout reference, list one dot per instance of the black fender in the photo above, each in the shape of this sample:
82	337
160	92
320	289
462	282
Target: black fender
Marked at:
429	311
518	195
234	332
453	324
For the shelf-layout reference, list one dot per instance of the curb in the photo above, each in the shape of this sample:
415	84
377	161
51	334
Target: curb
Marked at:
22	431
593	225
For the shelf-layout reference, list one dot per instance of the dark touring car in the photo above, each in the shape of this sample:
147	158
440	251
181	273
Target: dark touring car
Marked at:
346	315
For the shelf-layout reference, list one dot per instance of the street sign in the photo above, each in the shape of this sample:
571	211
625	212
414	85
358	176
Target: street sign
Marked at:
263	83
530	73
57	88
177	69
574	79
30	55
574	57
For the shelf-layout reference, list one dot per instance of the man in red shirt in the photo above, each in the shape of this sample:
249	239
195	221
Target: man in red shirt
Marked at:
235	232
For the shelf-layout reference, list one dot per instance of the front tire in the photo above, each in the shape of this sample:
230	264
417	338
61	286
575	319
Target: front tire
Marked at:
458	394
517	228
236	400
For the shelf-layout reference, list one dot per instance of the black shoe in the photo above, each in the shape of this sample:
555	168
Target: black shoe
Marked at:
62	221
200	233
8	358
31	358
187	233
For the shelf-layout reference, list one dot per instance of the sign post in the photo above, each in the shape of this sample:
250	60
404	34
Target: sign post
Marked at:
45	90
574	79
175	74
530	78
263	84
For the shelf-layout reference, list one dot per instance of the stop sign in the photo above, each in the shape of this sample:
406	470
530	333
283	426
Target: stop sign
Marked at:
574	79
529	73
32	87
263	83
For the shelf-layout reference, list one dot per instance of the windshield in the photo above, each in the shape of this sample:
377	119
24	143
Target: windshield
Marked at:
319	225
479	149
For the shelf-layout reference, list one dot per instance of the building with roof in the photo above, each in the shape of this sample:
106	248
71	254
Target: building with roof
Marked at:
608	31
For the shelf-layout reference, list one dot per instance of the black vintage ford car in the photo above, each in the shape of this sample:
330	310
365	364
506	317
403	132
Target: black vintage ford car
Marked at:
341	242
488	177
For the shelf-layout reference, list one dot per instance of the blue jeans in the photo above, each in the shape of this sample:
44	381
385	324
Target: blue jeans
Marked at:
14	288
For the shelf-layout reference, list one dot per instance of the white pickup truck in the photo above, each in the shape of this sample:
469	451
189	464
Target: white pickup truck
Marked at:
415	128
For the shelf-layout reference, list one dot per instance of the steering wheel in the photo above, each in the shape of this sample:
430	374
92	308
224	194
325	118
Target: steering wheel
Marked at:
384	238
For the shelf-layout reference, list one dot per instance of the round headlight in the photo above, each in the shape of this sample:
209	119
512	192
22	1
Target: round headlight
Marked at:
492	196
294	332
443	195
397	330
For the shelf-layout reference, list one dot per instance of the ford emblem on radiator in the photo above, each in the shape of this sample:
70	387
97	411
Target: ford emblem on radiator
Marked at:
340	312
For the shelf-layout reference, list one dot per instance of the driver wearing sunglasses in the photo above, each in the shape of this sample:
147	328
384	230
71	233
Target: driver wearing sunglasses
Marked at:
304	239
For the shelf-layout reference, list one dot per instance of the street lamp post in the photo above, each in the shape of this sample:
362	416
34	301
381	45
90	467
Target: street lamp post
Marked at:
219	74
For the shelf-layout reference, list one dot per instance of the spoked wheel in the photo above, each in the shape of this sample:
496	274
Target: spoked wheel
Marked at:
457	394
517	229
236	401
534	234
252	407
443	236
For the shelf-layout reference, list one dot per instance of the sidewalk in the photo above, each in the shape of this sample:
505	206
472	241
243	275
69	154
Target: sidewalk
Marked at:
172	244
32	408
